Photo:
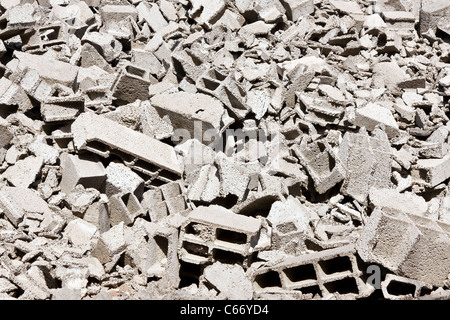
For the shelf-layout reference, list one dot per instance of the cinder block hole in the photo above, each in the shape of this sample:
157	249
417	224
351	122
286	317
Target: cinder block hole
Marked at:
170	176
397	288
314	290
227	256
301	273
49	34
97	146
162	246
195	249
189	274
199	229
231	236
268	280
125	157
217	75
95	95
343	286
338	264
135	71
146	166
210	84
310	245
235	102
286	227
131	203
423	174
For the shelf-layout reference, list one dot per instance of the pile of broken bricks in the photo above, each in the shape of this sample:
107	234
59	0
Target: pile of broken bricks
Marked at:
120	178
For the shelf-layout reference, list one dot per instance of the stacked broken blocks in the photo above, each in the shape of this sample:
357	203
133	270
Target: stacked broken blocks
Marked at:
120	180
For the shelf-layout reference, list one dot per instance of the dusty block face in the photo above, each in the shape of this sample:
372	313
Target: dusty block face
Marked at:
431	172
387	238
132	84
85	170
368	163
321	164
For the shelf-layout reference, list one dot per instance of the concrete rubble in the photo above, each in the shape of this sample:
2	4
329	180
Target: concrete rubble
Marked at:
243	150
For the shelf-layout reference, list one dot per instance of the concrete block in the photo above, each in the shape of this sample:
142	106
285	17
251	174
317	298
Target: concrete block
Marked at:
409	245
387	238
431	12
5	134
229	280
396	20
150	13
391	199
400	288
162	258
39	39
372	114
12	94
428	260
367	160
124	208
226	89
216	234
24	172
102	136
115	18
187	111
321	163
62	108
132	84
120	179
109	244
328	273
86	170
169	199
206	12
16	202
51	70
431	172
80	232
297	9
234	179
108	46
97	214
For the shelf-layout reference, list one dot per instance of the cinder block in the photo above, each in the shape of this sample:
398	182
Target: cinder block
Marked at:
108	46
120	178
17	202
132	84
103	136
150	13
387	238
12	94
124	207
367	160
51	70
205	12
62	108
115	17
109	244
187	111
372	114
431	12
431	172
321	274
321	163
225	89
297	9
409	245
400	288
162	256
216	234
169	199
39	39
85	170
398	20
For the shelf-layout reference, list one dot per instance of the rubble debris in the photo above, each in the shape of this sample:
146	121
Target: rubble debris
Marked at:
224	149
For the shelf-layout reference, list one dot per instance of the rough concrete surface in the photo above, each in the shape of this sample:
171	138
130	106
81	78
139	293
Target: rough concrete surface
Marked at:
224	150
